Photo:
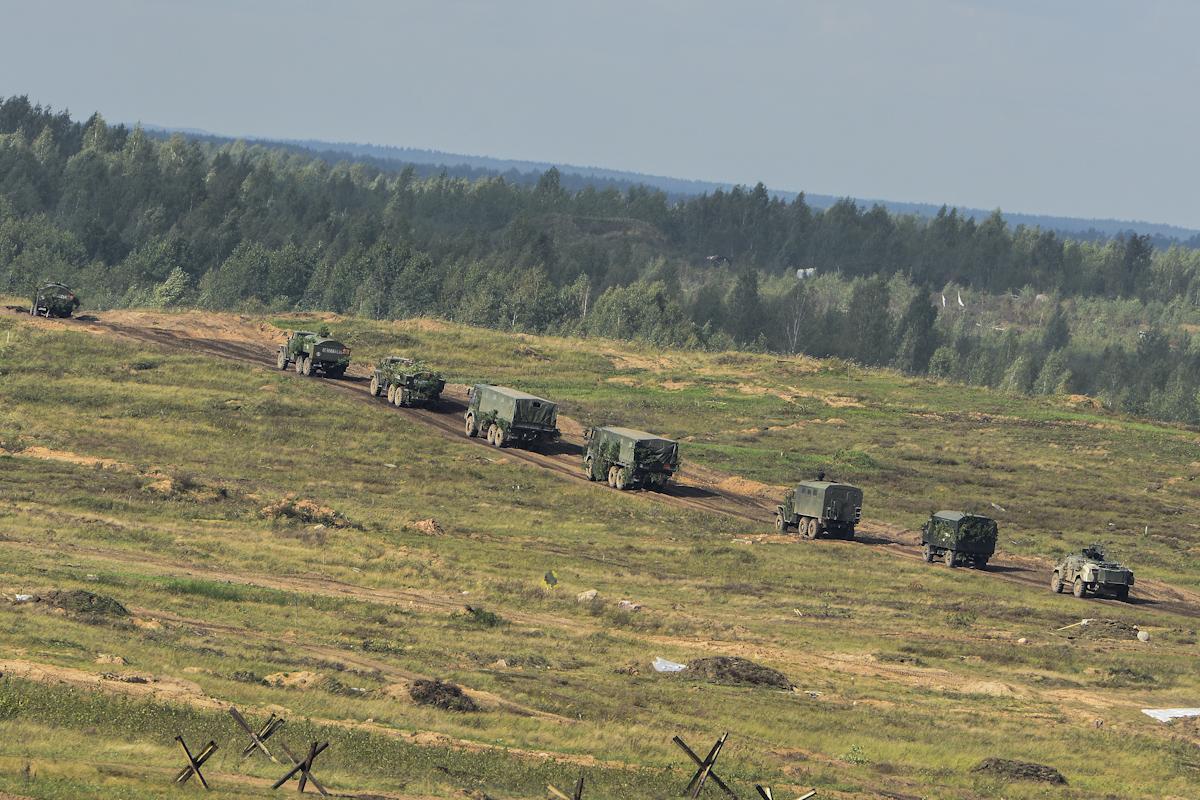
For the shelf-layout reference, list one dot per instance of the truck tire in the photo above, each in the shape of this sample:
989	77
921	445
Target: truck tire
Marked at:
470	427
780	524
612	477
1078	589
496	436
587	467
402	397
374	386
307	370
927	553
391	393
622	479
952	558
1056	584
281	360
299	362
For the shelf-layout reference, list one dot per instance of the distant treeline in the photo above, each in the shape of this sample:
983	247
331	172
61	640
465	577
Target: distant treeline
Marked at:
129	219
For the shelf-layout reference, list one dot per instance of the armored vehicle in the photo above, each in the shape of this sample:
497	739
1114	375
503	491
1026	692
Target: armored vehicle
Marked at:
1089	570
314	353
958	538
815	508
53	300
629	459
406	382
508	416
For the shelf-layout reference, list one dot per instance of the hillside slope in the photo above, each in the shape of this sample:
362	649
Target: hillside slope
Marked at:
145	456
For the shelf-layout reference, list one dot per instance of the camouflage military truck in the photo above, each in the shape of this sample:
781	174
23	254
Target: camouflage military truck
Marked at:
53	300
314	354
817	508
629	459
1089	570
959	539
406	382
507	416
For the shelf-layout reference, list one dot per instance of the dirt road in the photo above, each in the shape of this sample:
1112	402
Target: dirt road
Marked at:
253	342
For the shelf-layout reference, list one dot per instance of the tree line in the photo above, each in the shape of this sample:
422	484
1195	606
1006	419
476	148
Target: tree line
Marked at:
131	219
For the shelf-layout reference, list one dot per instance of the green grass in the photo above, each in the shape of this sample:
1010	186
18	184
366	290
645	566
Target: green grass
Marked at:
914	670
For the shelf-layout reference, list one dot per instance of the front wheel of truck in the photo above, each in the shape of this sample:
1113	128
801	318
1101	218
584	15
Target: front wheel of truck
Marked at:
1078	589
470	427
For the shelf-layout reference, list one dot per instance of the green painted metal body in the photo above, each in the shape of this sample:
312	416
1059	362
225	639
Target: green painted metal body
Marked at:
968	539
521	418
324	355
648	461
416	382
53	300
834	508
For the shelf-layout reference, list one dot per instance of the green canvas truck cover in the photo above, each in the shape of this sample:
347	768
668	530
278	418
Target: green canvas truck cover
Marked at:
827	500
965	532
517	406
639	447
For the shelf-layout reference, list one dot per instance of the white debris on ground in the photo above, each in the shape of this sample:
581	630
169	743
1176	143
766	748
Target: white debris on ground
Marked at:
1168	714
660	664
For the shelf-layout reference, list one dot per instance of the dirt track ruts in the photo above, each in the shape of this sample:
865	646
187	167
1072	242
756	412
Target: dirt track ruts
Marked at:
564	459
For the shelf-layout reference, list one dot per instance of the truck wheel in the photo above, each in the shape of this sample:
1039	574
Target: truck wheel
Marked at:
281	360
374	386
951	558
780	524
299	362
308	366
470	427
391	394
496	436
622	479
402	396
927	553
612	477
1078	589
1056	584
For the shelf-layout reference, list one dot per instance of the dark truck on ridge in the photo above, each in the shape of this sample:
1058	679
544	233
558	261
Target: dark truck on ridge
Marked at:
509	416
406	382
53	300
314	354
959	539
629	459
816	508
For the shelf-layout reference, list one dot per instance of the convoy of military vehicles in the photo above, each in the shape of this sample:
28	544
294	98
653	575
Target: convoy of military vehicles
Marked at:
632	459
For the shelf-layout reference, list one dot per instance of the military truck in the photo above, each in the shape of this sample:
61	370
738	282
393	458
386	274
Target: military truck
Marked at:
406	382
820	507
1089	570
53	300
508	416
959	539
314	354
629	459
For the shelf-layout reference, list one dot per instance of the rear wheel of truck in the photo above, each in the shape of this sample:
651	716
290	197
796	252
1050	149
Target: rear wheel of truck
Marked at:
496	436
402	397
612	477
470	427
1078	589
391	394
951	558
299	362
281	360
374	386
1056	584
307	370
622	479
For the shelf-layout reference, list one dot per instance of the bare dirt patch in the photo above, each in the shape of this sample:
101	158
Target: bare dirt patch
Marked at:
66	456
306	511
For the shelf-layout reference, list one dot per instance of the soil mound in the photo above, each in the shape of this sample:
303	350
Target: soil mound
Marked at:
734	671
80	601
306	511
441	694
1019	770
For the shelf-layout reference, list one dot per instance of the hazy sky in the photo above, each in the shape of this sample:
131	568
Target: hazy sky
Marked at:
1074	108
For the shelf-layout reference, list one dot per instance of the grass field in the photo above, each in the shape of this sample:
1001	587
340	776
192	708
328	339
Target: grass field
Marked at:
141	474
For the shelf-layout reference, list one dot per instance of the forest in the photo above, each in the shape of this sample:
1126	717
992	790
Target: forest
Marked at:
129	219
